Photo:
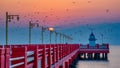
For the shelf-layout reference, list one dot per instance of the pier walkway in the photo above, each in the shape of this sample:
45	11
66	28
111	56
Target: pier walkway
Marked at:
45	55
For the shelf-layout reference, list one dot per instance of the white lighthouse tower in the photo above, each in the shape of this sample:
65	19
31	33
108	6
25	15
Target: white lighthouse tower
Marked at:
92	39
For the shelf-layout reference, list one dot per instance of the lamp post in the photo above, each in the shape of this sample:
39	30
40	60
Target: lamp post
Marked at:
31	25
42	35
102	38
63	39
8	19
60	37
66	39
56	37
69	38
51	30
30	32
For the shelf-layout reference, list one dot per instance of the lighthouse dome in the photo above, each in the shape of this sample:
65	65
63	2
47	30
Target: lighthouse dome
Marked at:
92	37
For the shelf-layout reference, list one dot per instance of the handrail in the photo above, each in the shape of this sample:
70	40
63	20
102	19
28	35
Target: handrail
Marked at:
18	64
29	55
16	58
105	46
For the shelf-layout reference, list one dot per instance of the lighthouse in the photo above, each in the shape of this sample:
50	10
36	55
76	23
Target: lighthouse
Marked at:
92	39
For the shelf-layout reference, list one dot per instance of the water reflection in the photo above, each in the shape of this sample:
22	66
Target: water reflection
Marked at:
92	64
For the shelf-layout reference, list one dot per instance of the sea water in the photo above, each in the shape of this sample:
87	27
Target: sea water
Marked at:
113	60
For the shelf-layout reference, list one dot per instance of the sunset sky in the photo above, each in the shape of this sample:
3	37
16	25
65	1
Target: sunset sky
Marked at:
70	17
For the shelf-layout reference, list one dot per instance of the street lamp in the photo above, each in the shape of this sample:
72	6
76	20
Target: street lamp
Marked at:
63	38
31	25
8	19
51	30
71	39
56	37
66	39
102	38
60	37
43	29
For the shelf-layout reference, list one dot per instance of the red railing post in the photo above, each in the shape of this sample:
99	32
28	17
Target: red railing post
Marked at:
57	53
25	59
32	53
62	51
49	56
70	60
65	50
66	64
53	59
44	57
69	49
2	58
7	57
36	57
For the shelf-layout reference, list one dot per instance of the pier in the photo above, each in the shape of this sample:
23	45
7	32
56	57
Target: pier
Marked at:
48	55
98	52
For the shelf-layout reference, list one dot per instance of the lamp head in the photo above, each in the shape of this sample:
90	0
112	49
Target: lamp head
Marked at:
51	29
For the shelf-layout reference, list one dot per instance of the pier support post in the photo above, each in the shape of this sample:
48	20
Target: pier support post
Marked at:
84	55
106	56
103	55
90	56
97	56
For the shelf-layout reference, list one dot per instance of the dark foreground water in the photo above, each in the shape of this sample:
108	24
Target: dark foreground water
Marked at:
113	60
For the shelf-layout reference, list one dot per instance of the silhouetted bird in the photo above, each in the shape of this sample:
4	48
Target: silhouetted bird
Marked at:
89	1
107	10
74	2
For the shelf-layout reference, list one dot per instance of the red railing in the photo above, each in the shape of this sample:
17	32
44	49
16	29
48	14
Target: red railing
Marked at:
38	55
2	57
94	49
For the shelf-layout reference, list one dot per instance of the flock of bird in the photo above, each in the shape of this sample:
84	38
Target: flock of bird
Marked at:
44	21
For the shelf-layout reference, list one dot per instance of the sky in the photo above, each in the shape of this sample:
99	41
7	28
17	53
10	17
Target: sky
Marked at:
74	18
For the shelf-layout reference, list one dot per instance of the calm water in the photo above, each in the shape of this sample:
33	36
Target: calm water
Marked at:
113	57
